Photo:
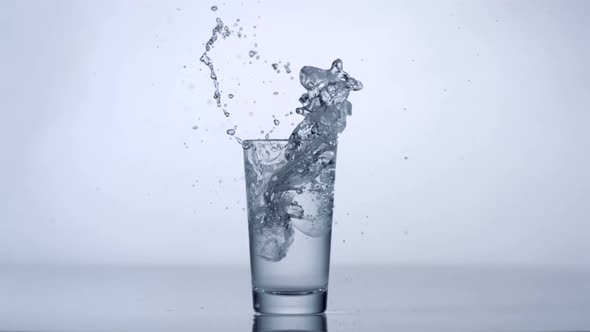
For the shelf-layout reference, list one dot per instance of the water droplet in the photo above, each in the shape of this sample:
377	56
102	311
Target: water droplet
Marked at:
231	132
214	8
406	157
275	66
195	127
276	122
262	132
246	145
258	57
266	136
275	93
252	53
230	96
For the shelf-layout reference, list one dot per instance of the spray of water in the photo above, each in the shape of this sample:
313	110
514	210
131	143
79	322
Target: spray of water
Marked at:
300	193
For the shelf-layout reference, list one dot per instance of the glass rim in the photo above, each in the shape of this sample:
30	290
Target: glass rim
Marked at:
265	140
254	140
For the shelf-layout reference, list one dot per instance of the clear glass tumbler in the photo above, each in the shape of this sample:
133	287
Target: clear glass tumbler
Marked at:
290	205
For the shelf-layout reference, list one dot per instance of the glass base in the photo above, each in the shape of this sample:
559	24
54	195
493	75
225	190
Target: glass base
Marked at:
289	323
290	303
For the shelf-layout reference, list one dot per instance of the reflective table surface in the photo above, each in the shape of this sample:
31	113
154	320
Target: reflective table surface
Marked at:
361	298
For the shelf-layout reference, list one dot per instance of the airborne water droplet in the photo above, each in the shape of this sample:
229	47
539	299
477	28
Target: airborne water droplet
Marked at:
276	122
195	127
252	53
231	132
275	93
214	8
230	96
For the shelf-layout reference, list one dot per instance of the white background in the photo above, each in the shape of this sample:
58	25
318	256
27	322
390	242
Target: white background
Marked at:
489	101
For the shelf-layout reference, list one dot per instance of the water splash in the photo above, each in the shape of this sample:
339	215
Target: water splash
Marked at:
299	194
219	29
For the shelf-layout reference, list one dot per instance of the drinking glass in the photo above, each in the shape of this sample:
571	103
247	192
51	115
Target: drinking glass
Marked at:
290	205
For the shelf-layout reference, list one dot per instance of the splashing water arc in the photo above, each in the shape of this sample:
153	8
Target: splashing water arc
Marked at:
308	174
